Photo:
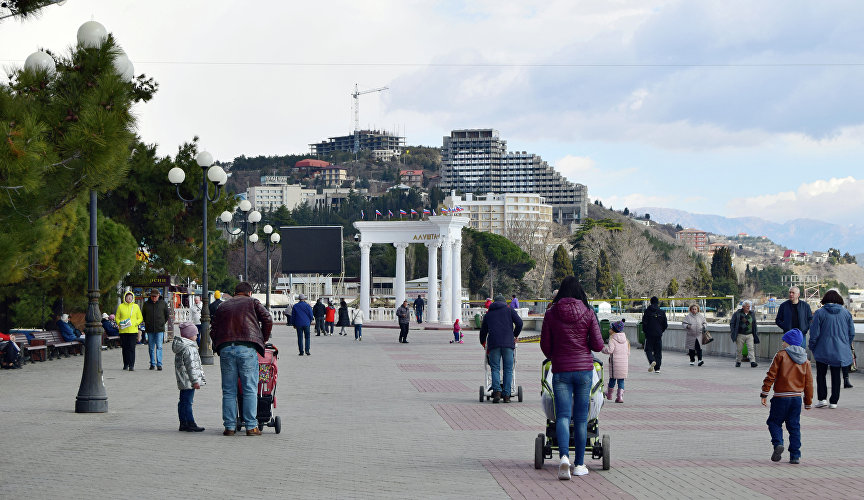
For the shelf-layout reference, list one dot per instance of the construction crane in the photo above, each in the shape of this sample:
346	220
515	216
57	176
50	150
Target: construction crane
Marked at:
356	95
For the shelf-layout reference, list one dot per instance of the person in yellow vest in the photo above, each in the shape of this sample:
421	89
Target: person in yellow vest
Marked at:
128	317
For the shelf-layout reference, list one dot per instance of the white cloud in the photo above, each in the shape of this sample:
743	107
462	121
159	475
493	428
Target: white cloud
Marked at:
835	200
618	202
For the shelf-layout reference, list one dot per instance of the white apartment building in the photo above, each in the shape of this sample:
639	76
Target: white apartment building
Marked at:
495	213
476	160
275	191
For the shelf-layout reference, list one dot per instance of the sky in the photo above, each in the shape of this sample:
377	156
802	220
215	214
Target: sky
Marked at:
735	108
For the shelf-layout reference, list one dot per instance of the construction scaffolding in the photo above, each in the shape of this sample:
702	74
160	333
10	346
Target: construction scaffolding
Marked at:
808	284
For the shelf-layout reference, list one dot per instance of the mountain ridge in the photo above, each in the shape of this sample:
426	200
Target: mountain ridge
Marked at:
797	234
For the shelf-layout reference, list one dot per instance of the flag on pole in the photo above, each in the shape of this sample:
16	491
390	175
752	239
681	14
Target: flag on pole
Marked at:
377	213
413	212
402	212
444	210
426	211
389	214
362	215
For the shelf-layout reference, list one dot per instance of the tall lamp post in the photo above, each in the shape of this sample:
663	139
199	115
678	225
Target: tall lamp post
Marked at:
253	217
218	177
91	397
272	240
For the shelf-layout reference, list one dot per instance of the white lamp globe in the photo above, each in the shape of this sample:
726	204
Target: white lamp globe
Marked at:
245	205
176	175
268	229
92	34
275	237
226	217
204	159
253	238
40	61
124	67
216	175
254	216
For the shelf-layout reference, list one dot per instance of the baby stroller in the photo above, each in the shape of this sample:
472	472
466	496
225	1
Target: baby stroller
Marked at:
267	375
598	447
486	390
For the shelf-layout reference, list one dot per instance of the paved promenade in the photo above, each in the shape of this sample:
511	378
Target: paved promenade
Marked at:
379	419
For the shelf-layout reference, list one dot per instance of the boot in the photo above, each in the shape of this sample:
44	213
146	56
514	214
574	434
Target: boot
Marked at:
609	393
496	396
846	384
183	426
620	398
191	426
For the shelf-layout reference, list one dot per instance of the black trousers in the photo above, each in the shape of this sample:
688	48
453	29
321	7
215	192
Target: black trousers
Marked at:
822	387
696	352
654	350
127	344
403	332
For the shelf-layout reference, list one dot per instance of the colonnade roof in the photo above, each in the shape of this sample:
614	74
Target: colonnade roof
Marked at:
433	228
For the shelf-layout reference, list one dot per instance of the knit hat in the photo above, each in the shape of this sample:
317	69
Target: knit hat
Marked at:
301	297
111	317
500	298
618	326
188	331
104	315
793	337
217	294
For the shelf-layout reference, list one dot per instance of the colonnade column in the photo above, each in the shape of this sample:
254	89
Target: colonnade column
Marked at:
399	285
457	279
432	292
446	280
364	278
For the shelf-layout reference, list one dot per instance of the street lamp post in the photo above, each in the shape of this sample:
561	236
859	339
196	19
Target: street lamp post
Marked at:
218	177
272	240
253	217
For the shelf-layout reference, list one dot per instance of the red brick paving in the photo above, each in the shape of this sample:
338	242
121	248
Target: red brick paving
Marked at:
520	480
438	385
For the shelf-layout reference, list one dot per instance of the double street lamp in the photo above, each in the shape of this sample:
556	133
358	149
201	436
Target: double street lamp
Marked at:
218	177
273	240
253	217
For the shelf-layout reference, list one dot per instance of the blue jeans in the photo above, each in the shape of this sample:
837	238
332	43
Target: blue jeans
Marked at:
184	406
154	343
358	331
302	332
619	380
239	362
786	410
571	391
496	356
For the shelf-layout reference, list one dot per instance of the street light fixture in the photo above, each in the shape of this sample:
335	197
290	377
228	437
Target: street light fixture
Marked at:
272	240
253	217
218	177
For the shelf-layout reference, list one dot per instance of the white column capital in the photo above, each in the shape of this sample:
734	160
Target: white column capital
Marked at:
432	244
365	246
401	245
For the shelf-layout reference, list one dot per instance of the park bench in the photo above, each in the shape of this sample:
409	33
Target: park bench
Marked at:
35	350
57	345
111	341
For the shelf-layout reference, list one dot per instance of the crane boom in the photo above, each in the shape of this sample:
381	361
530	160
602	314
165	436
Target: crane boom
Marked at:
356	95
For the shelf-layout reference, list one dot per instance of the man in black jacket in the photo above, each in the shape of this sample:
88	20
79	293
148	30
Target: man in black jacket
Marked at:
217	296
318	312
155	313
498	332
419	304
795	313
653	325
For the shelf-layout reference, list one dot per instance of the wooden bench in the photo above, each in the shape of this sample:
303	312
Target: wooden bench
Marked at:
35	351
57	345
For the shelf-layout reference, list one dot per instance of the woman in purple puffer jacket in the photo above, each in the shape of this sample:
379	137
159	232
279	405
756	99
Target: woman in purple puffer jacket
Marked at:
570	333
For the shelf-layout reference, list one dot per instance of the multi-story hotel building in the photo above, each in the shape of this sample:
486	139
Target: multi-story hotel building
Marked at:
477	161
498	213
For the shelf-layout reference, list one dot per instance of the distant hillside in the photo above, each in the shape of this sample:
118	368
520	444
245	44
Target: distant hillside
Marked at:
799	234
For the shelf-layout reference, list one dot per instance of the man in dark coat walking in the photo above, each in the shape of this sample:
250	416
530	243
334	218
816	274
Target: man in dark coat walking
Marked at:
319	311
404	317
419	304
795	313
498	332
653	325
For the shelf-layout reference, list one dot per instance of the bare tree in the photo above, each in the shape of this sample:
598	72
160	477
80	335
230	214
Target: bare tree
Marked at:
539	240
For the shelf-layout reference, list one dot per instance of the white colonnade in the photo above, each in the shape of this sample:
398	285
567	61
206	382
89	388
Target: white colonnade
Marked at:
440	231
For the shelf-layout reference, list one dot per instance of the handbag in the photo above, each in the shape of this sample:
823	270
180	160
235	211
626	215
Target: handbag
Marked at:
706	337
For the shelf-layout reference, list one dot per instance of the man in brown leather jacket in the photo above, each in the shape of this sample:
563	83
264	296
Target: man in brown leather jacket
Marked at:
240	329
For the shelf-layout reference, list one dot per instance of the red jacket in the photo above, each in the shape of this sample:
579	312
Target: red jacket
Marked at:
570	333
330	316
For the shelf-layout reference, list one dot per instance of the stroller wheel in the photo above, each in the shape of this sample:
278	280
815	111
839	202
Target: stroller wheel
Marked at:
482	393
519	393
607	451
278	425
539	452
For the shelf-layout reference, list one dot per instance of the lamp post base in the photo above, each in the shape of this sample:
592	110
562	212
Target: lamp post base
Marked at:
92	397
207	359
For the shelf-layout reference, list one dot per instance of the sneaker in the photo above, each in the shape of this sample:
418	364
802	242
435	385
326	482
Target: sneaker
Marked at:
846	384
452	341
754	364
580	470
778	453
507	399
308	353
692	363
461	341
821	404
159	368
794	460
737	364
300	354
360	339
564	469
701	362
651	368
832	405
657	371
152	367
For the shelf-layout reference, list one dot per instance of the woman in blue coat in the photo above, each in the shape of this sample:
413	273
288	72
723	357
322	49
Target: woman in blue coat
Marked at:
831	337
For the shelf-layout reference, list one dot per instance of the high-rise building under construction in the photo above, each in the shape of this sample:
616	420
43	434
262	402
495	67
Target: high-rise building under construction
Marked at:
477	161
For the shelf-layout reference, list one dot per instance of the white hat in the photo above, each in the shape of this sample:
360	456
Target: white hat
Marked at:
104	315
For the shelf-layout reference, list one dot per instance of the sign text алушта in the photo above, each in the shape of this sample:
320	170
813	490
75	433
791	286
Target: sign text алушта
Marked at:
426	236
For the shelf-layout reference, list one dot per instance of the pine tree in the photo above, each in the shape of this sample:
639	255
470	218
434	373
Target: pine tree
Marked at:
561	266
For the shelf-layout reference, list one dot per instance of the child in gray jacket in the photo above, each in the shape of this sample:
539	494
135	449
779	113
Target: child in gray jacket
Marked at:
190	375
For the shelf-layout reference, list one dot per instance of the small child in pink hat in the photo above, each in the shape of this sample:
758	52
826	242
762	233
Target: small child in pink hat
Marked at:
189	373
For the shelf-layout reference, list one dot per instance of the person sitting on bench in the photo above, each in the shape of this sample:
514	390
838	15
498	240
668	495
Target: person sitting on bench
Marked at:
68	331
